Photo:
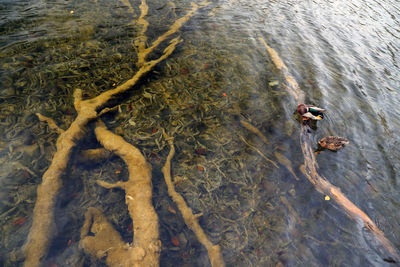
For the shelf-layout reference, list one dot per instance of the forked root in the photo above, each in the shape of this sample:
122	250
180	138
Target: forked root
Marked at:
43	227
146	246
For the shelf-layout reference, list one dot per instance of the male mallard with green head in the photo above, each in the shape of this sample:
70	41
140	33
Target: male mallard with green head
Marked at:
310	112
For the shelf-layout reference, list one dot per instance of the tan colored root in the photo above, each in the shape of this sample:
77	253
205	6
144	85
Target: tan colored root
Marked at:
310	167
50	122
138	197
214	251
84	156
253	129
173	29
140	42
106	242
43	228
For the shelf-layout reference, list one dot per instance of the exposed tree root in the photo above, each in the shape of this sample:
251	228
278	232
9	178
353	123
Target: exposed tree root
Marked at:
321	184
146	246
50	122
214	251
43	228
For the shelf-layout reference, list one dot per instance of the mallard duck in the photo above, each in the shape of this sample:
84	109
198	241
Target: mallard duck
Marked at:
310	112
333	143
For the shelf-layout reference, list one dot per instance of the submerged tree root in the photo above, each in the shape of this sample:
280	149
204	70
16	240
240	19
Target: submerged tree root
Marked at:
43	227
321	184
214	251
106	242
146	246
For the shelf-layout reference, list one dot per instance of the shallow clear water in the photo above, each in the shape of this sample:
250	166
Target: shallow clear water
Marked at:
345	57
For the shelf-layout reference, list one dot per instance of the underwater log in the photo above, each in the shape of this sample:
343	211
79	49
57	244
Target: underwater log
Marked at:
322	185
214	251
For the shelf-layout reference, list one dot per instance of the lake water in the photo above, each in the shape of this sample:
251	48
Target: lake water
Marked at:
343	54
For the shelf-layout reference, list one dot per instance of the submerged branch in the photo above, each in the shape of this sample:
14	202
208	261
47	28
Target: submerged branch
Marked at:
320	183
191	220
293	88
258	151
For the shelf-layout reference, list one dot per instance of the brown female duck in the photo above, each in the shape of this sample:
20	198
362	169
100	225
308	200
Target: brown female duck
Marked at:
333	143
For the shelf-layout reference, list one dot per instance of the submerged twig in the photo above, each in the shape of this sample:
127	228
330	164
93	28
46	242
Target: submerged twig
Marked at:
258	151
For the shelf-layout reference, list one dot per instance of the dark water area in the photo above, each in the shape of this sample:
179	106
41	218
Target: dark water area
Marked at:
343	54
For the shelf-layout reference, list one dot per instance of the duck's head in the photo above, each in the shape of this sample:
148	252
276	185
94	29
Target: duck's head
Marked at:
302	109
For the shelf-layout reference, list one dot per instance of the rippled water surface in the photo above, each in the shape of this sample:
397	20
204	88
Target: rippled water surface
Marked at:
255	202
